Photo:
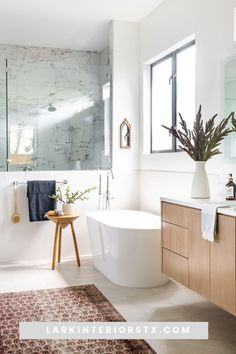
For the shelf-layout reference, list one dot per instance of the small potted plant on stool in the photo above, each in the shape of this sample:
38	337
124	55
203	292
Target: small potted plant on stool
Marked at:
68	198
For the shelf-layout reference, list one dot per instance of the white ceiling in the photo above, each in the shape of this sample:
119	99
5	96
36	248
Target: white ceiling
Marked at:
74	24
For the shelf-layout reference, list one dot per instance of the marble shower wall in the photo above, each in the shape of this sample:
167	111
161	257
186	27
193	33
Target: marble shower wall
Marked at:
55	105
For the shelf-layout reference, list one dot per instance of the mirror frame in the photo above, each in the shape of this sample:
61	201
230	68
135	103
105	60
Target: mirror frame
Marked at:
125	134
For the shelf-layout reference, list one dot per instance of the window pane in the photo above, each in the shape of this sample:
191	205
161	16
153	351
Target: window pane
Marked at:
186	85
21	144
161	105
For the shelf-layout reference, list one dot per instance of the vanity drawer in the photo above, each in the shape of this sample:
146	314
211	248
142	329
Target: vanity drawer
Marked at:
175	238
175	266
175	214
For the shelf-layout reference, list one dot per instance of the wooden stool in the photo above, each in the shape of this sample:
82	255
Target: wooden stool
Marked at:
61	223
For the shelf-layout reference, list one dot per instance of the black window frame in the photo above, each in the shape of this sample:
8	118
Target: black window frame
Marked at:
173	78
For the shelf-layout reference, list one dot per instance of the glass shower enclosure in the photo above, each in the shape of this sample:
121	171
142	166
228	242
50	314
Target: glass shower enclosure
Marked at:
55	109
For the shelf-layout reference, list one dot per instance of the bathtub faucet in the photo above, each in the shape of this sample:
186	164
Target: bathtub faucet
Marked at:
108	196
104	197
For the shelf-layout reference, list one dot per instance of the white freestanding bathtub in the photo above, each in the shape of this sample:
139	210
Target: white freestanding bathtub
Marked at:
126	247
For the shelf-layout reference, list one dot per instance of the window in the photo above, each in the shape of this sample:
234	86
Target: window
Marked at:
21	144
172	91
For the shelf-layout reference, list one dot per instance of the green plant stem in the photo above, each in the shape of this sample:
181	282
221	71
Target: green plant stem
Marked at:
70	196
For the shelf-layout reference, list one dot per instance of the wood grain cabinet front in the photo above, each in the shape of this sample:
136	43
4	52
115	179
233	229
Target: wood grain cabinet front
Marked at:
175	266
175	242
175	214
175	238
198	256
222	265
208	268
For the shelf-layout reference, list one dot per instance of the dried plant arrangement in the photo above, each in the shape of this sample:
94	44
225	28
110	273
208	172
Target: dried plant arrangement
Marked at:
202	142
233	124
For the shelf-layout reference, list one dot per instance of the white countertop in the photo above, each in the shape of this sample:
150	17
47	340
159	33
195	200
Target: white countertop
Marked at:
228	209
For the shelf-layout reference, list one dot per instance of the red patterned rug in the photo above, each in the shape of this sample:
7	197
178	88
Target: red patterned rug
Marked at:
78	303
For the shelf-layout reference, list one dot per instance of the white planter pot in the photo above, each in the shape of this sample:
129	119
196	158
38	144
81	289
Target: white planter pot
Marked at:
200	185
68	208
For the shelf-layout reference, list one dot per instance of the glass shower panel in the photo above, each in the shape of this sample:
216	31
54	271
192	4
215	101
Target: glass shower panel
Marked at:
3	115
56	119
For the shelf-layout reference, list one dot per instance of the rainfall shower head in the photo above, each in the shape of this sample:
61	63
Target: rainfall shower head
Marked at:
71	129
51	108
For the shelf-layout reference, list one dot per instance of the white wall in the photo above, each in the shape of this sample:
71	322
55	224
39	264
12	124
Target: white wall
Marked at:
27	240
125	47
34	240
212	23
125	54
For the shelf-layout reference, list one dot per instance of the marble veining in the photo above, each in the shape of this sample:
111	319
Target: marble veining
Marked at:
55	108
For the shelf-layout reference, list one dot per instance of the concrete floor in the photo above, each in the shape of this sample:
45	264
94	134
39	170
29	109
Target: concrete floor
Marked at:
170	302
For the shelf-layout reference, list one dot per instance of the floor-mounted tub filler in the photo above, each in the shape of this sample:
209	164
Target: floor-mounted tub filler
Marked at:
126	247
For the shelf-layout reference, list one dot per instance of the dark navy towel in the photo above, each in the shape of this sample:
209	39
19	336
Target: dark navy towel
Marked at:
38	199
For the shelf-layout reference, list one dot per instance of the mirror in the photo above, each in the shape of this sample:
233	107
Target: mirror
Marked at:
125	135
55	109
230	101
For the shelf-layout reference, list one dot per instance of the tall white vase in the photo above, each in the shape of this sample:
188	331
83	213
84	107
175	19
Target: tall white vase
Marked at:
200	185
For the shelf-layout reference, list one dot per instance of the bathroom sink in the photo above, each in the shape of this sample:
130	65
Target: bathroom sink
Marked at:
233	207
228	206
228	210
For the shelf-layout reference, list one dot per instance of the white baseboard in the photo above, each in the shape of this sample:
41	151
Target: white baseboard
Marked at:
41	261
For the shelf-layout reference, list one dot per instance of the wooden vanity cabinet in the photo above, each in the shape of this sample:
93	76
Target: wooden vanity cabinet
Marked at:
198	256
175	266
208	268
175	214
222	265
175	242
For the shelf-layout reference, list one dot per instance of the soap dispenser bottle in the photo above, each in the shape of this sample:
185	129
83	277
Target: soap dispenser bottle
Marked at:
230	188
